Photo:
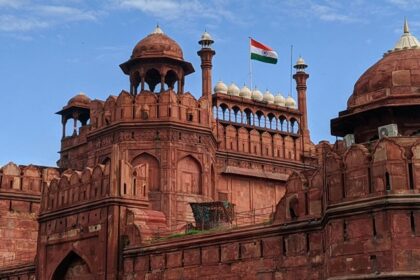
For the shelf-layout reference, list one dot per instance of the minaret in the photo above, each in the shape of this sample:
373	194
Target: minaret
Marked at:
206	54
301	76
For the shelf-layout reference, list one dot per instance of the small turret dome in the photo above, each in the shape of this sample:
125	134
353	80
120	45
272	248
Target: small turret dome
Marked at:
300	61
268	97
257	95
80	98
233	90
245	92
290	102
206	40
206	36
279	100
220	88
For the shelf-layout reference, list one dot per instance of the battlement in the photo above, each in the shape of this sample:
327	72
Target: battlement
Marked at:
146	106
92	184
385	168
363	197
25	179
150	106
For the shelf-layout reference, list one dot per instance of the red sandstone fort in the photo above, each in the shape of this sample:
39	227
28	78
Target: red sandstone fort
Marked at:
157	184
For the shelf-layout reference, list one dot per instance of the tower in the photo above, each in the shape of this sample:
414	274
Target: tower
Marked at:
206	54
301	76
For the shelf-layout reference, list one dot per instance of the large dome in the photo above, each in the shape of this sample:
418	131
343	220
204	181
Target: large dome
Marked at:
157	44
388	93
395	76
398	73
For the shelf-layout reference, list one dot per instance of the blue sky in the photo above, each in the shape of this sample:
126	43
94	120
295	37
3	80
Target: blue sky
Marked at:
51	50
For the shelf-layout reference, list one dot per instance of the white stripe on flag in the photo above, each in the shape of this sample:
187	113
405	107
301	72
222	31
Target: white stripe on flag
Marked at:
262	52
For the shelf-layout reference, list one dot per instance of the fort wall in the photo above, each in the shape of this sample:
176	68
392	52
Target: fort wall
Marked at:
20	190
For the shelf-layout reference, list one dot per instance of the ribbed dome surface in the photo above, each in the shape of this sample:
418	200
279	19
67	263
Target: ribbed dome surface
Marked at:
397	73
80	98
157	44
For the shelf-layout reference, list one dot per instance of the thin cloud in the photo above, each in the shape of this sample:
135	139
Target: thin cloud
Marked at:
24	16
405	4
329	13
168	9
71	14
171	10
12	3
10	23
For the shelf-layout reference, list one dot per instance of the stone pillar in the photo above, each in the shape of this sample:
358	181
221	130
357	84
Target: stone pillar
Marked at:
75	119
63	122
162	83
179	86
206	54
301	76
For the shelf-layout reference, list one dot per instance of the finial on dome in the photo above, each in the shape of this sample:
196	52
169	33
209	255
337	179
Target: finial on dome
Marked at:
407	40
406	29
157	30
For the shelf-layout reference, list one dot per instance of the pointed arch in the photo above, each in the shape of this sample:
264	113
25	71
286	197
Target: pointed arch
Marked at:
152	78
389	166
153	169
294	126
171	78
356	171
189	171
73	266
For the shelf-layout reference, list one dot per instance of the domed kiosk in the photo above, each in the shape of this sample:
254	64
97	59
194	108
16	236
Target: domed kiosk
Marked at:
388	93
156	59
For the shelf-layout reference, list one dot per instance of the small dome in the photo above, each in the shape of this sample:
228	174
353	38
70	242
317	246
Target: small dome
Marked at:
245	92
257	95
268	97
80	98
157	44
290	102
220	87
233	90
300	61
206	37
279	100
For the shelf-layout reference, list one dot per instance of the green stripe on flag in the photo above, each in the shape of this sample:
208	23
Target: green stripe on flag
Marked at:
263	58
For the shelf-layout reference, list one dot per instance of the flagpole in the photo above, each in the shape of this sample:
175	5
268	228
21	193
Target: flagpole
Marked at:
250	63
291	71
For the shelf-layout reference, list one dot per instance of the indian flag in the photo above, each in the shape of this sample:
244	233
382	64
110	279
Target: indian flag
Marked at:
262	52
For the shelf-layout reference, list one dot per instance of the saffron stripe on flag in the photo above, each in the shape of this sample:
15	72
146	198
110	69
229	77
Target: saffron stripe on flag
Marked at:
260	45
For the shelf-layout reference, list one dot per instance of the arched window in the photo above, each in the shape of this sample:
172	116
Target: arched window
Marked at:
294	126
225	112
271	121
152	78
260	119
235	117
189	176
171	79
248	117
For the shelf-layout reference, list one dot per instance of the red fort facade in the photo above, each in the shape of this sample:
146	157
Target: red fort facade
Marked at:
122	203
